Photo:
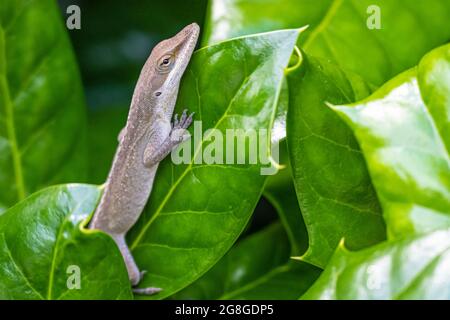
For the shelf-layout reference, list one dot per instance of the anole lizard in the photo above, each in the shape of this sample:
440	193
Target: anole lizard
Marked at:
147	139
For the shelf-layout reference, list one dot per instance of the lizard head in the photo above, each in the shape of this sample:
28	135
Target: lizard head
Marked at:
170	59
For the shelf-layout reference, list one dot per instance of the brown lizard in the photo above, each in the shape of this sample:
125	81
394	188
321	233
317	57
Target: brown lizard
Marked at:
147	139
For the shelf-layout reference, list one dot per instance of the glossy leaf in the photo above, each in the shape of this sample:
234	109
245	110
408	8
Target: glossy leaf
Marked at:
341	30
43	245
280	192
333	187
197	211
228	19
42	115
434	81
402	132
258	267
415	268
344	62
346	36
232	18
337	33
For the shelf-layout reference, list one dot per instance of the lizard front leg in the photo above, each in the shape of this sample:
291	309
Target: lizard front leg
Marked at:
153	155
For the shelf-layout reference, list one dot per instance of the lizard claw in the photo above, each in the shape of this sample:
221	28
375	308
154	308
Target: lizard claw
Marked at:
183	116
141	274
184	122
189	119
178	133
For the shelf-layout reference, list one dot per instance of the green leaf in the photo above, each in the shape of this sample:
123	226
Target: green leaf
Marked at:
403	132
337	35
344	62
434	81
338	29
258	267
415	268
280	192
333	187
197	211
344	37
42	115
246	17
42	236
228	19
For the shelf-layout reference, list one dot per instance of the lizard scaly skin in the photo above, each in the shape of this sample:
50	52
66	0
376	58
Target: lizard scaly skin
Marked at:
147	138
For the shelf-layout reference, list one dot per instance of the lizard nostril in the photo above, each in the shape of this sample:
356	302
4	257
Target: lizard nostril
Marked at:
158	94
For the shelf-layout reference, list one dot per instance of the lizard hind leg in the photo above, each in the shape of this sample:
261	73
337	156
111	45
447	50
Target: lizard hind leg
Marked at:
133	271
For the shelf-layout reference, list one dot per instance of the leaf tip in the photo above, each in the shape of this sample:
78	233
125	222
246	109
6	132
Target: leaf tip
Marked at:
331	106
341	246
302	29
299	258
339	109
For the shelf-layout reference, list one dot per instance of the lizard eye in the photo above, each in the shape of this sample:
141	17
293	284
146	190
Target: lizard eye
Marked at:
165	63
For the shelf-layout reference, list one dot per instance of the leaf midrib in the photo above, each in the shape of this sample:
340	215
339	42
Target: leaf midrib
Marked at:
334	6
56	246
9	119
